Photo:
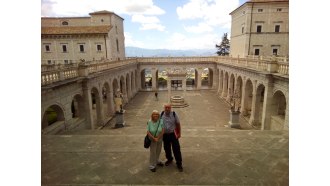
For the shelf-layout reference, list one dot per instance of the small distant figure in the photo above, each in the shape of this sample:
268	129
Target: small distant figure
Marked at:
156	96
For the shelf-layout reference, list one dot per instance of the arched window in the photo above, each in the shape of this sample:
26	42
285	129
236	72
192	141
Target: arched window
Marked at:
65	23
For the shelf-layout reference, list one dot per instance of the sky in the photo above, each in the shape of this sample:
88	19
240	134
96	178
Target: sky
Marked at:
158	24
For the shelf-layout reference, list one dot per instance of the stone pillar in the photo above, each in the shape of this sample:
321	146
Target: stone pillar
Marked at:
154	79
254	119
129	91
229	90
184	86
89	124
99	109
169	90
243	99
219	84
224	89
286	120
110	103
267	108
199	80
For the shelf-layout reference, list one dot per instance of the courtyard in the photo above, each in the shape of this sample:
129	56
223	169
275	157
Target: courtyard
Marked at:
213	153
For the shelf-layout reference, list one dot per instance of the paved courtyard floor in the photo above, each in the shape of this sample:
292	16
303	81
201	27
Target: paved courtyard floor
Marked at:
213	154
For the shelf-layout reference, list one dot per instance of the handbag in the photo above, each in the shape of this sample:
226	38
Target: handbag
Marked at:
147	141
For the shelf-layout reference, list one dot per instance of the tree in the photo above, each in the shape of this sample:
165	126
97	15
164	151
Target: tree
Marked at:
224	47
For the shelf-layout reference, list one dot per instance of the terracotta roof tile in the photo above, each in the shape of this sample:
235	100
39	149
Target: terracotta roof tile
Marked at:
76	30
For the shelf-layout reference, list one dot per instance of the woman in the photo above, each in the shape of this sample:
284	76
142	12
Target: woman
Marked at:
155	131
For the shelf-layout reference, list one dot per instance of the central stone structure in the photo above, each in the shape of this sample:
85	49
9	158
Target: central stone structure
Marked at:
178	102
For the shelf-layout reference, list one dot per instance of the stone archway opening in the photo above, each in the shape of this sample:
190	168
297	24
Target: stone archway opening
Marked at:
278	110
191	78
106	102
96	106
162	79
246	111
207	78
146	79
77	107
53	120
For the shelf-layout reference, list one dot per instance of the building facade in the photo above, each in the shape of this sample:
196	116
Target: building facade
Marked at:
67	40
260	27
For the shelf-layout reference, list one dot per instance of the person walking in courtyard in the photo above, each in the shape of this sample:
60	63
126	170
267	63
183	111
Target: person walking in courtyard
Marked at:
171	136
155	131
156	95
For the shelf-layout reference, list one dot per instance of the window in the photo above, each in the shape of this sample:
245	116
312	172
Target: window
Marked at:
275	51
277	28
256	51
242	29
117	45
49	62
259	28
260	10
47	48
98	47
64	48
81	47
65	23
279	10
66	61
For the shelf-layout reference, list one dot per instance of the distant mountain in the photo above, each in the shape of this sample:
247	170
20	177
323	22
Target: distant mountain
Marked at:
142	52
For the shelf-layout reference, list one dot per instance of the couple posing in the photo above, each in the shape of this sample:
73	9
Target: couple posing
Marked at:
167	126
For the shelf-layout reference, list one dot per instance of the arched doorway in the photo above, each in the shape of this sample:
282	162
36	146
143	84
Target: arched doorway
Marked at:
207	78
191	78
77	107
246	111
278	111
53	120
106	102
162	79
146	79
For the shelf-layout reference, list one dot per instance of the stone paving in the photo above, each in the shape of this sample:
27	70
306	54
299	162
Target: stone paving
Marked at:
213	154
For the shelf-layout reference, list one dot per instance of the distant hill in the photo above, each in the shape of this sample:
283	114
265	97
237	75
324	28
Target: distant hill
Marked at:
142	52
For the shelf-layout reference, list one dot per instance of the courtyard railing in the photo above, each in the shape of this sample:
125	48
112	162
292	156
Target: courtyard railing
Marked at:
54	73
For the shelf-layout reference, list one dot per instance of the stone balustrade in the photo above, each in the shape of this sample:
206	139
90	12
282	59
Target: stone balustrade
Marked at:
54	73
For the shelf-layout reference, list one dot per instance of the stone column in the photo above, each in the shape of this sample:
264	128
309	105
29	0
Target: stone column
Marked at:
219	84
267	108
129	91
169	90
199	80
184	87
243	99
286	120
110	103
229	90
224	89
154	79
99	109
89	124
254	119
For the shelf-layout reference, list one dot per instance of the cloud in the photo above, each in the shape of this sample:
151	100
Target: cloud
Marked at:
129	41
212	12
180	41
83	7
200	28
148	22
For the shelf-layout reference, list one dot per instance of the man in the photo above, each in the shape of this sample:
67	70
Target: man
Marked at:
171	136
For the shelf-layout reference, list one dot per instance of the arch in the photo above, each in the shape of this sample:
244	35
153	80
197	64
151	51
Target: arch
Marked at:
260	91
239	87
278	111
190	78
231	85
128	87
53	115
146	78
96	106
246	111
77	106
162	78
207	77
106	100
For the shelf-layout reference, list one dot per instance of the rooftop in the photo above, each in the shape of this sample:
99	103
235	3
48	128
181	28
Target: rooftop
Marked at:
76	30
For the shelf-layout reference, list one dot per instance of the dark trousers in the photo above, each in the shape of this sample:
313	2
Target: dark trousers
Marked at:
170	141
